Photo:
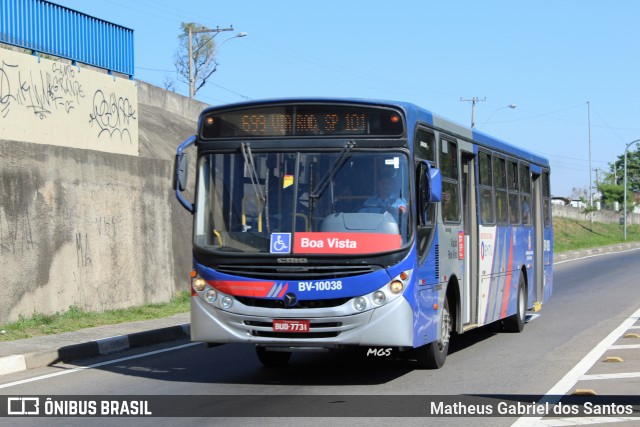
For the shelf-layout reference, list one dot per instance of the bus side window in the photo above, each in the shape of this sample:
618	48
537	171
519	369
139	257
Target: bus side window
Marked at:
424	148
486	189
449	169
514	199
546	194
500	184
525	194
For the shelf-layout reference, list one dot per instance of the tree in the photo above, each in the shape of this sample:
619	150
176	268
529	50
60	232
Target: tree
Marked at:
614	193
204	55
633	169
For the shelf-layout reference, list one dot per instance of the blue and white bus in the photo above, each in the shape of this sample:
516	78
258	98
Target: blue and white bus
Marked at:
323	224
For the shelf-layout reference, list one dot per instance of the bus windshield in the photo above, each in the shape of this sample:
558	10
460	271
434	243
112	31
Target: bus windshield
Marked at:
342	202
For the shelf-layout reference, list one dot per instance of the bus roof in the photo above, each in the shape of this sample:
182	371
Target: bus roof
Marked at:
414	114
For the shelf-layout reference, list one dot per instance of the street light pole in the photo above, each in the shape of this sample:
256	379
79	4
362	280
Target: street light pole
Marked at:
590	189
512	106
216	31
625	186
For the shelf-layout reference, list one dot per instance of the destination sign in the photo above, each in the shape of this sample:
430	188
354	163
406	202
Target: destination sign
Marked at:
302	120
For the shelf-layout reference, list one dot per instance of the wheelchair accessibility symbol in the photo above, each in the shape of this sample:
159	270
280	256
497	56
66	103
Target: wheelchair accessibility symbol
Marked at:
281	243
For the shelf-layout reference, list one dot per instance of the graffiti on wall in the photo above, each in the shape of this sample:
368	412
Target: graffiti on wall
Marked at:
41	92
112	115
50	102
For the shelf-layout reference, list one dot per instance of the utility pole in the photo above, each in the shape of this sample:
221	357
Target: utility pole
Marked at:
590	189
473	101
216	31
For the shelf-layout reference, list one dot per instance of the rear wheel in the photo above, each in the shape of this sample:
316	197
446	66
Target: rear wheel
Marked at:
434	354
515	322
272	358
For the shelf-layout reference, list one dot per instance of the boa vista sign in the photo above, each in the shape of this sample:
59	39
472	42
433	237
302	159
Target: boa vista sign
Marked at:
344	243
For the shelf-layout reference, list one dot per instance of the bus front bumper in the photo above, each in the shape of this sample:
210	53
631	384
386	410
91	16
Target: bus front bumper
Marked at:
390	325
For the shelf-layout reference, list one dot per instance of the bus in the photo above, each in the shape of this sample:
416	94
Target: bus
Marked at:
324	224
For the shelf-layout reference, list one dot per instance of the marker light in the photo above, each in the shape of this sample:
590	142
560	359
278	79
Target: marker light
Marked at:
379	297
359	304
211	295
396	286
226	302
395	118
199	284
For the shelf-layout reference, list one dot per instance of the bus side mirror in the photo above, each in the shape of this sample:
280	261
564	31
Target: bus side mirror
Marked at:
181	167
180	173
434	187
429	183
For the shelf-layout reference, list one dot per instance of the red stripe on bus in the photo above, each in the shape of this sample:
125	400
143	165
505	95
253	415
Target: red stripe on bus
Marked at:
242	288
507	287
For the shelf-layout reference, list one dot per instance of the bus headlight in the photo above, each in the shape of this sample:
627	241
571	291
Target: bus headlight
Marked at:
379	297
211	295
396	286
226	302
199	284
389	292
360	303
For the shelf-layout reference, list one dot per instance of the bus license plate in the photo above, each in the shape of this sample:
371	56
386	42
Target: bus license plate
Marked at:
280	325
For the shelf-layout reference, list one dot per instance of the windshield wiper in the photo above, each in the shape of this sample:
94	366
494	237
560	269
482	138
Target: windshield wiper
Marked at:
255	180
337	164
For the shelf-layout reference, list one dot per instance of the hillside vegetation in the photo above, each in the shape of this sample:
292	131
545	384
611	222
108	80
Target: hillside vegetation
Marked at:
570	234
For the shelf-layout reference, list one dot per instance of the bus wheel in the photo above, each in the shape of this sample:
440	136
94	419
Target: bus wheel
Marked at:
515	323
272	358
433	355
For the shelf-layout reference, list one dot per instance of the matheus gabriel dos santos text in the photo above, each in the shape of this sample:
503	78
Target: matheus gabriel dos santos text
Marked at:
523	409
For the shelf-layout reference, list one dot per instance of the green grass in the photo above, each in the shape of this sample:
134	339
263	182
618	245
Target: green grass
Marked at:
75	318
569	235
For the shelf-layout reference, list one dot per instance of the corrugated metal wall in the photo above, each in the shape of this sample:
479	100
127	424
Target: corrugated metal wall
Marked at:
56	30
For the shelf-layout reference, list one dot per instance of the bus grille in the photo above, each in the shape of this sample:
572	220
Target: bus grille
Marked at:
292	272
270	303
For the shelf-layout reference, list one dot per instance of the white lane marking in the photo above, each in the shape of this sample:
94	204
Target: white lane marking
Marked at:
624	347
571	378
617	376
596	255
97	365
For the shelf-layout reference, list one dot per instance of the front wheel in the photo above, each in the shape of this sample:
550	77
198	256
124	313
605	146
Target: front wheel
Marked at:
272	358
515	322
434	354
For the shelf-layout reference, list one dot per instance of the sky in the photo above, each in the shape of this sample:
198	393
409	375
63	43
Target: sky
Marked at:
571	67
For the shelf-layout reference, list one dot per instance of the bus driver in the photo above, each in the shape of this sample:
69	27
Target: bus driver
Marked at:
385	199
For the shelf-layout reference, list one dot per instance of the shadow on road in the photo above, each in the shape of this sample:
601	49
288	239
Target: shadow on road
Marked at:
238	364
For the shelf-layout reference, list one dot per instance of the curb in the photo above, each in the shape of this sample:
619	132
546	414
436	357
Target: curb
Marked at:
104	346
583	253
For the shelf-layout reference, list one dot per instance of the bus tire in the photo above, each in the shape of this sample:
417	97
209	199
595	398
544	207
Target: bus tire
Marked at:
272	358
515	322
434	354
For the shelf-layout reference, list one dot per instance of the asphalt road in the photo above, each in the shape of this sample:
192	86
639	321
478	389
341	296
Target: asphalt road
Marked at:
592	297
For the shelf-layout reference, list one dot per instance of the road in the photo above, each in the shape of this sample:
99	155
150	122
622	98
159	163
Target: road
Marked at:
592	297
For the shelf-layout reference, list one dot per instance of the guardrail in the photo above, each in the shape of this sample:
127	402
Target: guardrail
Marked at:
45	27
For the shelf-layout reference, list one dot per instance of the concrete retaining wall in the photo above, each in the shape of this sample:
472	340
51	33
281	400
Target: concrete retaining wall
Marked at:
605	216
82	228
81	223
169	101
